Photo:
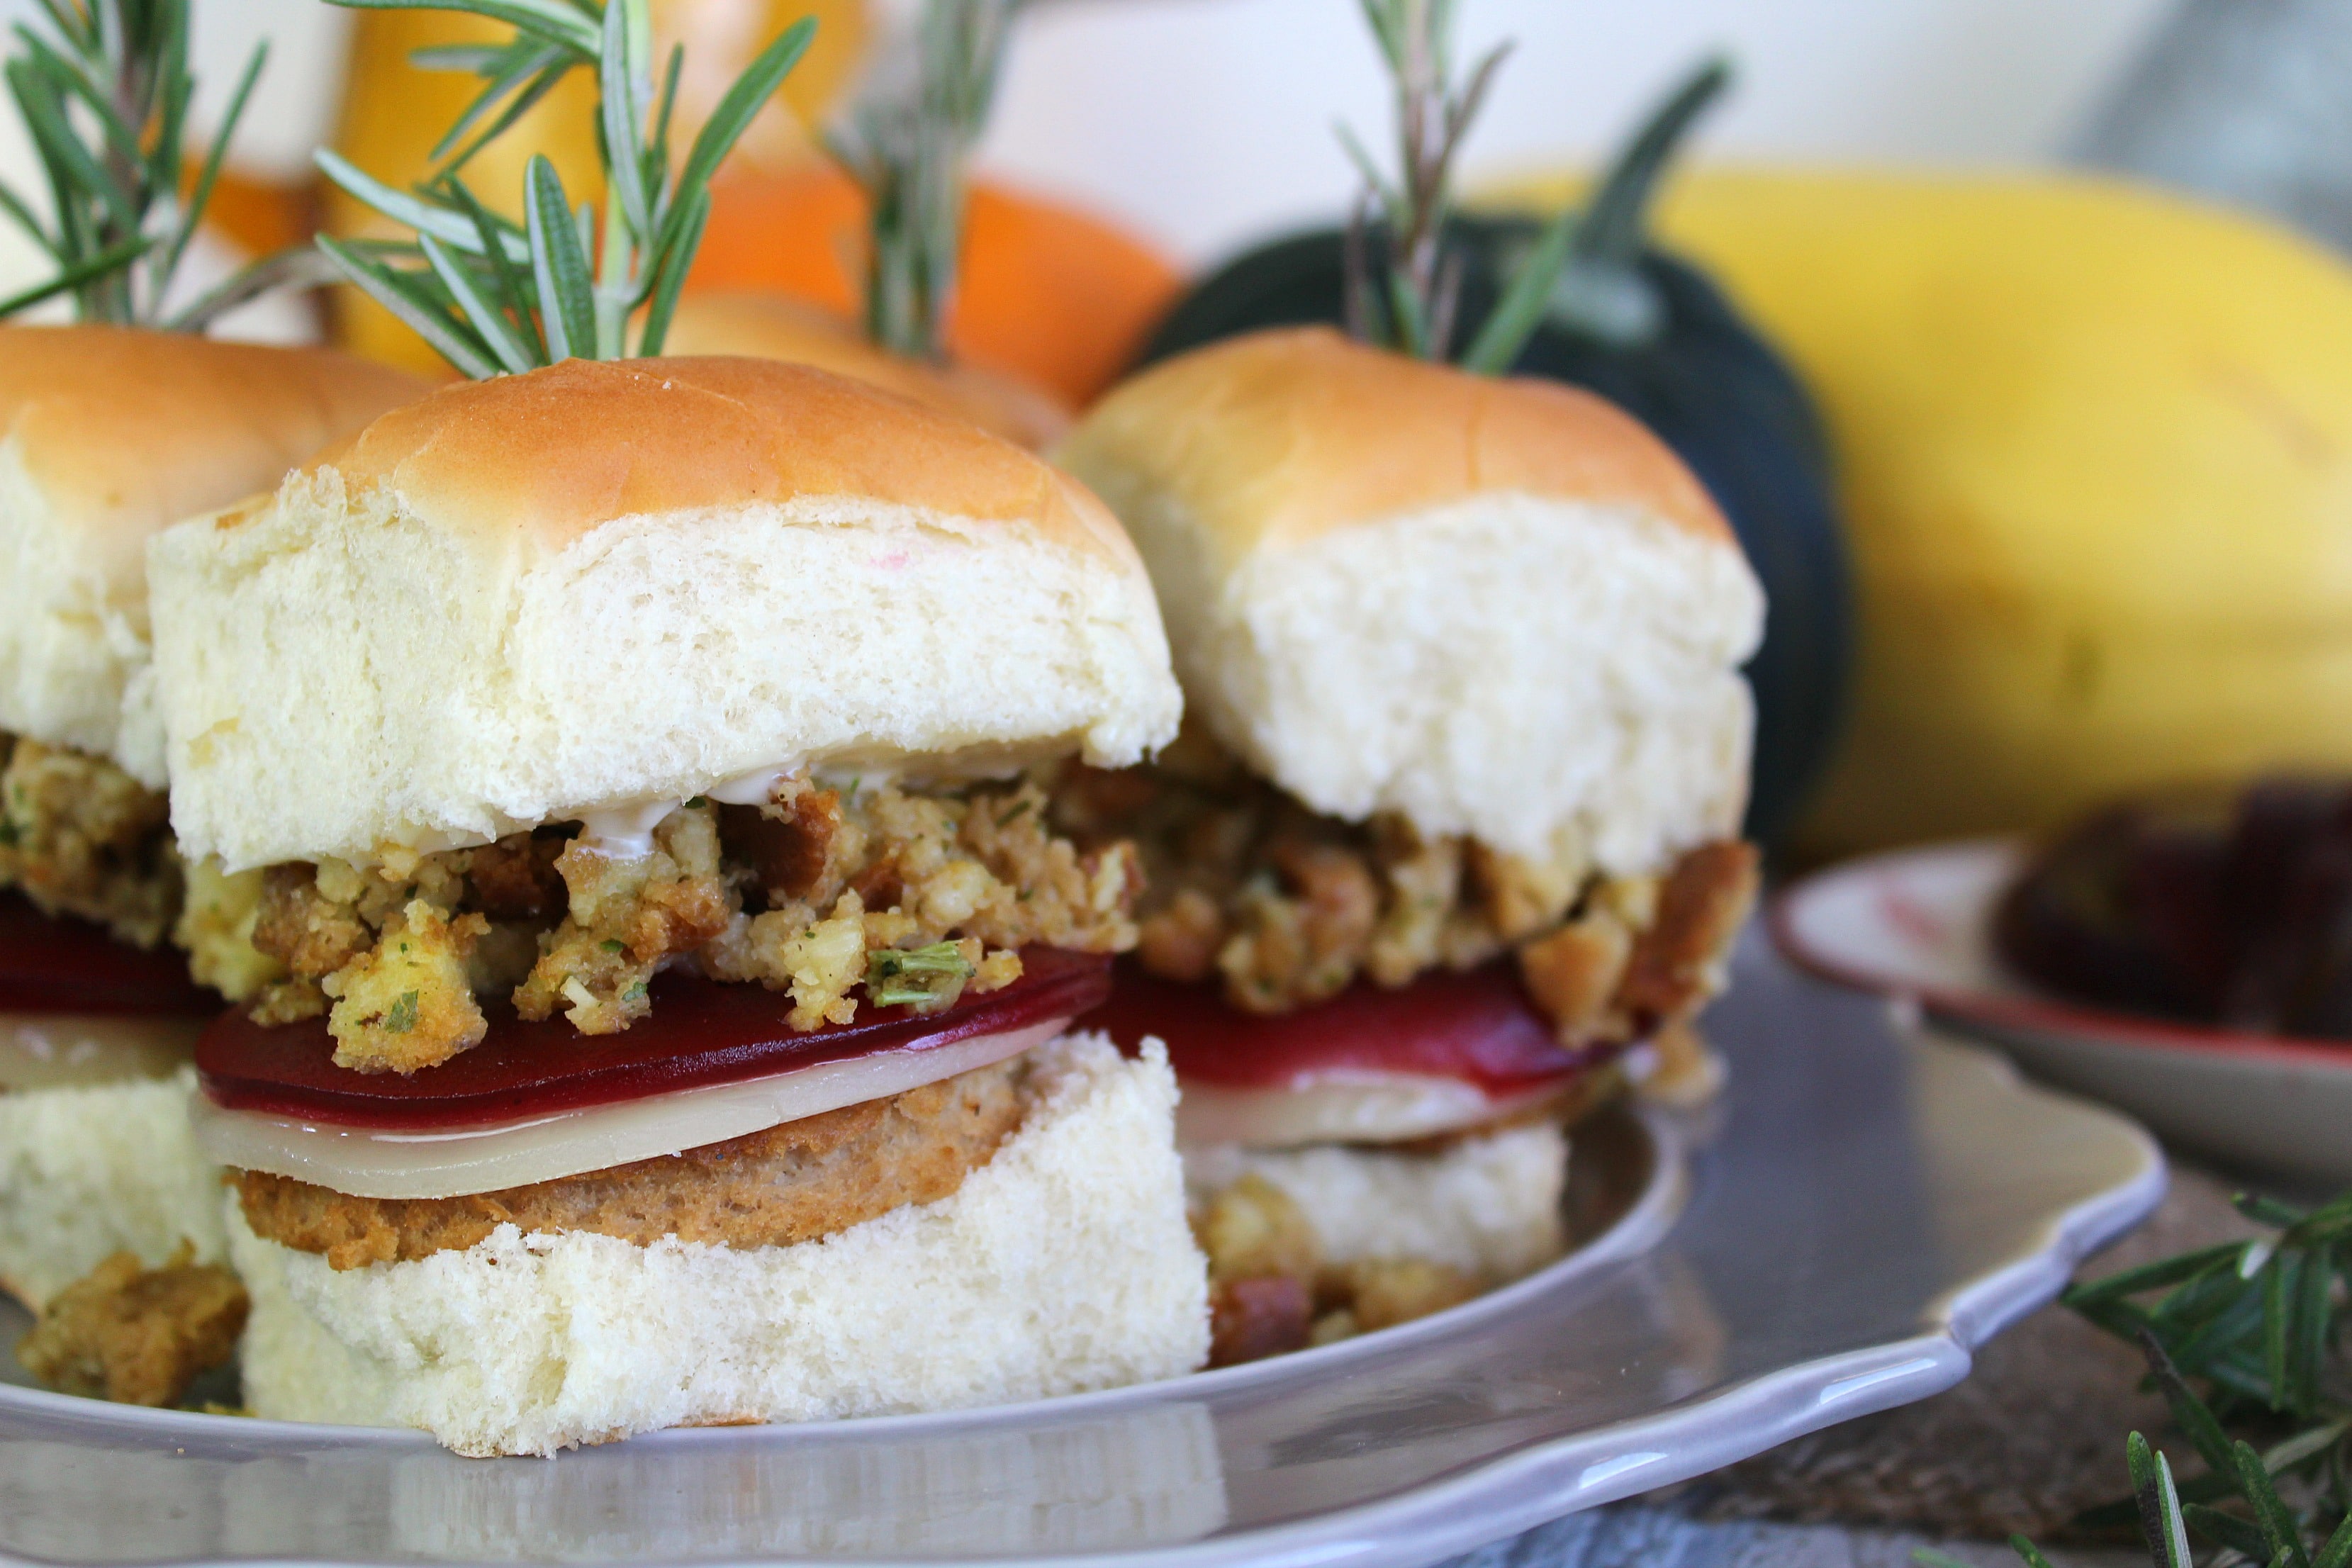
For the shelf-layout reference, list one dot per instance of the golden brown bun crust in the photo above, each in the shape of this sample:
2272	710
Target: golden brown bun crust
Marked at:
555	454
128	430
775	326
1286	435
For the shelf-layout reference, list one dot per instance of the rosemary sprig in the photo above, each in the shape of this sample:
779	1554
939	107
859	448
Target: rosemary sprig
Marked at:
103	92
1423	278
906	145
493	295
2262	1325
1581	267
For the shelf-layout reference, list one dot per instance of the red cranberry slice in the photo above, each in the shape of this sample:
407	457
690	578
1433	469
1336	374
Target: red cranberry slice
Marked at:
1478	1026
699	1033
60	964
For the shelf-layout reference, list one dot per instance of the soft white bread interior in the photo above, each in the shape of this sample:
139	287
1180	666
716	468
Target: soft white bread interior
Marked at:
1064	1264
777	326
108	434
92	1170
599	585
1488	1205
1499	607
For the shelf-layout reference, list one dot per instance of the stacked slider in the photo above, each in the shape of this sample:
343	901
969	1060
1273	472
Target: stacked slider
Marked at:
1453	820
107	434
676	963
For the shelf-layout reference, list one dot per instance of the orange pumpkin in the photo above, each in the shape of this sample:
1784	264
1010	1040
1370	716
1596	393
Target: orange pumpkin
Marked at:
1047	293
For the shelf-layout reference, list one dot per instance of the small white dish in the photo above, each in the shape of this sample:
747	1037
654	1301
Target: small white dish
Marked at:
1915	924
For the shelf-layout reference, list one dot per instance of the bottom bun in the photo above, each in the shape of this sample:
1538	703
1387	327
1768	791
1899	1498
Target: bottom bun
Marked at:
1063	1265
1488	1204
90	1170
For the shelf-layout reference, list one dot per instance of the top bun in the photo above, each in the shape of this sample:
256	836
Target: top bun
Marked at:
1498	607
775	326
602	585
108	434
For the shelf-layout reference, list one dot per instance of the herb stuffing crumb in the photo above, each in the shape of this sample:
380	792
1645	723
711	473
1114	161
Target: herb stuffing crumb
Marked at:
838	896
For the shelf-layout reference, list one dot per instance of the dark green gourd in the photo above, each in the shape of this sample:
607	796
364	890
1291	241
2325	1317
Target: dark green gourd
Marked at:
1651	333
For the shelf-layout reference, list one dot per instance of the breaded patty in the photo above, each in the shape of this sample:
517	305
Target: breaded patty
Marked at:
789	1183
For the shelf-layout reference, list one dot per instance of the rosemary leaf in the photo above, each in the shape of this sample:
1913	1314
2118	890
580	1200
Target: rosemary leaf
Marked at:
2280	1537
618	73
670	276
2337	1550
396	292
535	73
1521	312
733	115
567	308
2226	1529
487	318
454	229
2028	1553
543	18
201	195
75	275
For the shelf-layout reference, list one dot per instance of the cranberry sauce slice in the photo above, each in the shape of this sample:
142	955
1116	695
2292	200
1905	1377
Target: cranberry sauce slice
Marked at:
1478	1026
60	964
699	1033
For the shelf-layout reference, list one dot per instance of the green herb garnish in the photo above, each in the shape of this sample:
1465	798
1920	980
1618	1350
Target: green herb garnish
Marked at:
493	295
916	976
906	145
1407	299
402	1016
103	93
2249	1336
613	944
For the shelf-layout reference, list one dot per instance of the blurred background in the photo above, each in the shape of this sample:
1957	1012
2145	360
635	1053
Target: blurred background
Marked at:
1203	124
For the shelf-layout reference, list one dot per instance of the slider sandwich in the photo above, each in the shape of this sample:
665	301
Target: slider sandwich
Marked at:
107	434
1454	822
678	963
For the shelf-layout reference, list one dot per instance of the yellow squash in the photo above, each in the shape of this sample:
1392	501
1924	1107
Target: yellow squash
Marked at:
2095	453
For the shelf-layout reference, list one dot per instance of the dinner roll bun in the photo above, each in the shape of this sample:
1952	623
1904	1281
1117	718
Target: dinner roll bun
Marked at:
1062	1264
598	586
776	326
108	434
1498	607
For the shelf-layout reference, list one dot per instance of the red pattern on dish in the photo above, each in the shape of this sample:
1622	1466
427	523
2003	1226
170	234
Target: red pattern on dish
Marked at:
699	1033
60	964
1478	1026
